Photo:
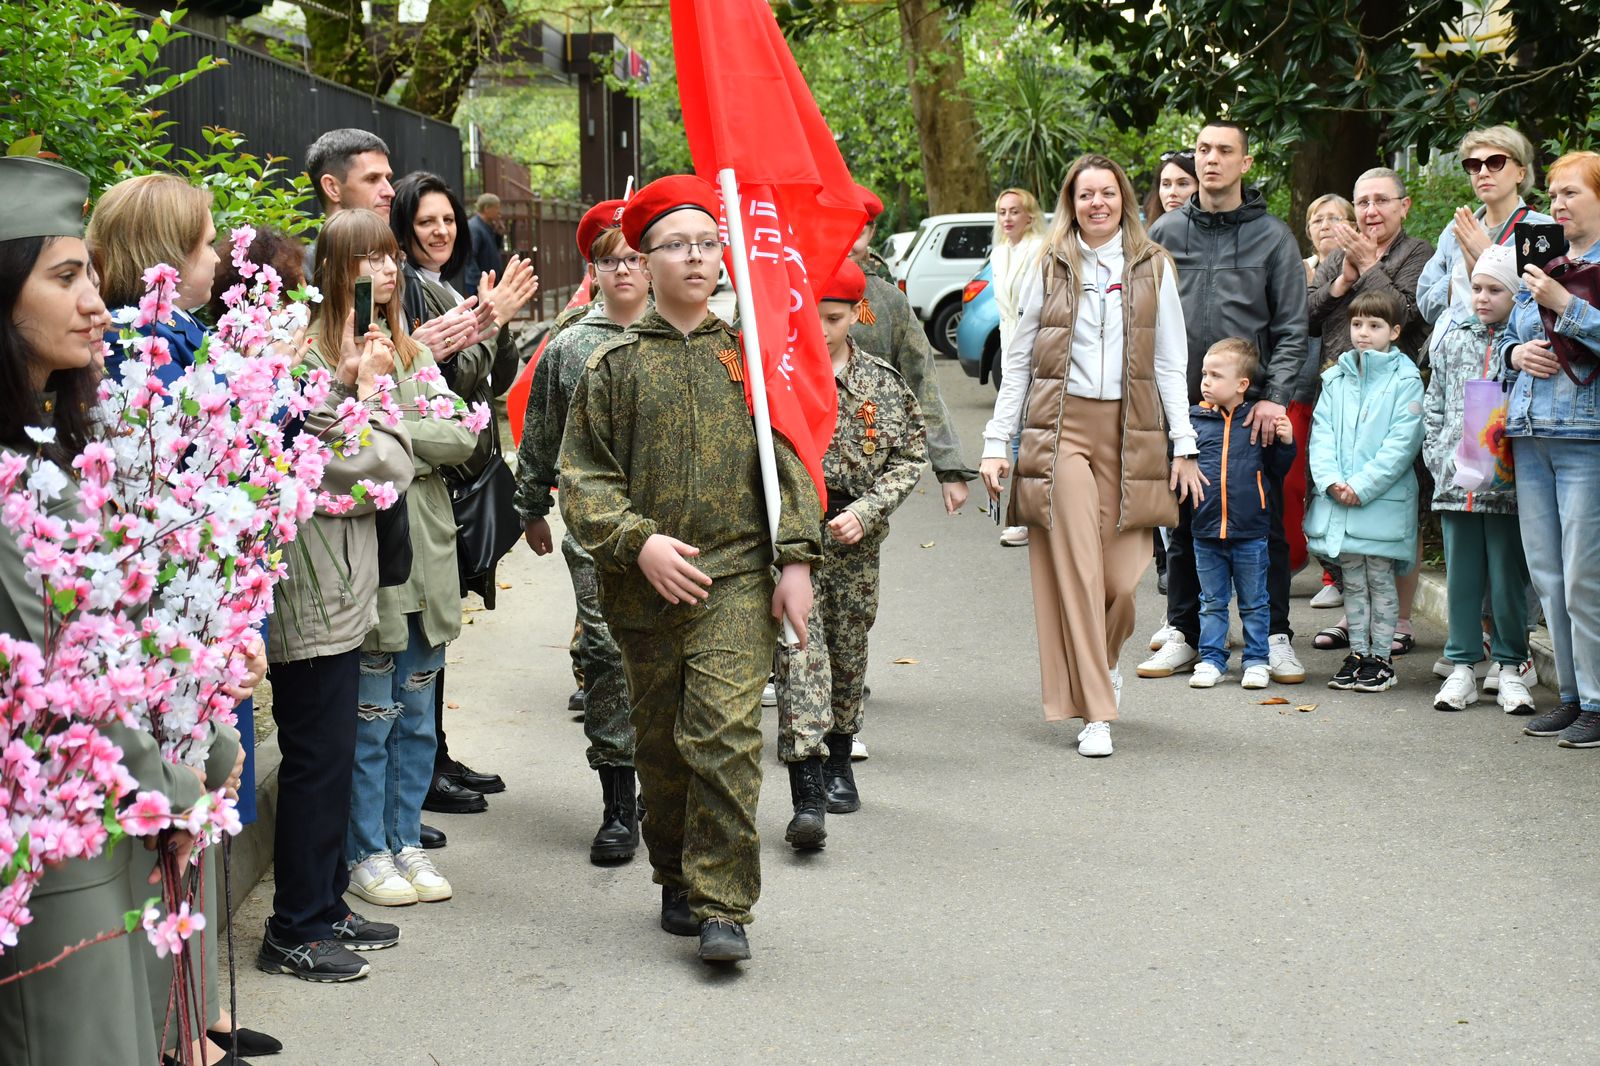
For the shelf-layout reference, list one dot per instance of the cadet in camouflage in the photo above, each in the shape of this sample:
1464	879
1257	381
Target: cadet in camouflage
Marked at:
660	484
875	459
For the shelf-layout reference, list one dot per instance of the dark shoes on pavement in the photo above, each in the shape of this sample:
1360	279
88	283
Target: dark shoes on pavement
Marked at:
433	838
675	916
618	837
1374	675
1554	722
1583	733
447	796
323	961
722	940
245	1042
576	703
358	934
808	828
472	780
1345	679
837	776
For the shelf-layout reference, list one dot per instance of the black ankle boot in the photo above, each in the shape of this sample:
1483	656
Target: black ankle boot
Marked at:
618	837
807	830
838	778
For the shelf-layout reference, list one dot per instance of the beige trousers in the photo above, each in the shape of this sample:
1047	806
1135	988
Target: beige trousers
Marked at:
1085	571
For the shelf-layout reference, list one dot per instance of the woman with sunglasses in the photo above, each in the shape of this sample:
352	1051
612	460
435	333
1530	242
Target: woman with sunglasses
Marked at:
1499	161
1175	183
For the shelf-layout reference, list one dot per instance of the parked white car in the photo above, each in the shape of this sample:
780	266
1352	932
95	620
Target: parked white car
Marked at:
946	252
895	246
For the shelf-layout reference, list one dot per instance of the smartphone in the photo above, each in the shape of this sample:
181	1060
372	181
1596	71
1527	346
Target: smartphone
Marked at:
364	306
1538	243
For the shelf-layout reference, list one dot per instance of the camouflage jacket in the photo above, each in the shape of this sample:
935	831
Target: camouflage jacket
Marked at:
550	395
889	329
659	439
879	446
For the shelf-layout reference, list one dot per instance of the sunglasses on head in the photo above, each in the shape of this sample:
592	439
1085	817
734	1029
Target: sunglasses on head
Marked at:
1495	164
1182	153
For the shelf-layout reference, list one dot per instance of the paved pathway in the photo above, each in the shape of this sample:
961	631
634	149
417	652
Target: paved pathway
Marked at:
1371	881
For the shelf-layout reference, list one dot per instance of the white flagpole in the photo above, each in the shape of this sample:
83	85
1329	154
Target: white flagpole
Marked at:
753	363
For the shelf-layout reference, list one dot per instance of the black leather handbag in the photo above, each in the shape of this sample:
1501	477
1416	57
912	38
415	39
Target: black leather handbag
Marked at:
394	544
486	518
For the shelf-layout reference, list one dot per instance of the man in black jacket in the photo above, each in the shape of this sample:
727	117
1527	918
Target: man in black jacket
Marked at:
1239	275
485	229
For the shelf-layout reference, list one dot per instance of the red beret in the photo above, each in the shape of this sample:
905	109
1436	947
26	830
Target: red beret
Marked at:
664	196
607	214
848	284
870	201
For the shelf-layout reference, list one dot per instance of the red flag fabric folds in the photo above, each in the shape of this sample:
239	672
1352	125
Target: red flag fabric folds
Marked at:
746	107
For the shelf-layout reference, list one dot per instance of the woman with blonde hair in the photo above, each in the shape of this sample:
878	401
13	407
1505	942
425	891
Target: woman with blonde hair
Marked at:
1095	379
1018	240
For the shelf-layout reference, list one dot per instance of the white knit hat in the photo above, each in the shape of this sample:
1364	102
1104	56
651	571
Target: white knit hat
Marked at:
1499	261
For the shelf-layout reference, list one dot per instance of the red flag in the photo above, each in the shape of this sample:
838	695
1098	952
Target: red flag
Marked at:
746	107
517	395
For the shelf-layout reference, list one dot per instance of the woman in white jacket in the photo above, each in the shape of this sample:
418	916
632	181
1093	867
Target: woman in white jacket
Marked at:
1018	241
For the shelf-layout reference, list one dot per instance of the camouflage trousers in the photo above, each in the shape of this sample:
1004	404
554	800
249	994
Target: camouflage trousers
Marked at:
1371	603
605	689
819	689
696	679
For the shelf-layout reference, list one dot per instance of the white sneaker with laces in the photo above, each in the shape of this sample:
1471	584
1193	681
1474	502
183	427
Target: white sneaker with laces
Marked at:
1257	676
1014	536
1513	697
1164	634
1459	691
1175	655
1095	740
1282	663
417	867
1328	596
858	750
376	880
1205	676
769	695
1527	673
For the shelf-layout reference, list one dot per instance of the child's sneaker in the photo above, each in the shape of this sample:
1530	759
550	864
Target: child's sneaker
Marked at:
1513	695
1527	673
1205	676
1257	676
1459	691
1345	679
1374	675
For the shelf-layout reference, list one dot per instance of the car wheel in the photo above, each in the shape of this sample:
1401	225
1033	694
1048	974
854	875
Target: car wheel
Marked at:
942	328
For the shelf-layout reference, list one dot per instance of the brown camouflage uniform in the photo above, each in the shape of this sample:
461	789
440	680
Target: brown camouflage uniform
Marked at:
871	466
659	440
605	707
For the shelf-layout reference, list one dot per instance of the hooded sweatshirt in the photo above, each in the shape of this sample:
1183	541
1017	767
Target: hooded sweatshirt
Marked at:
1239	275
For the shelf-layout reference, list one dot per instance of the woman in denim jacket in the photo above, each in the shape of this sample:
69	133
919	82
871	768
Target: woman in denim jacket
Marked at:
1555	427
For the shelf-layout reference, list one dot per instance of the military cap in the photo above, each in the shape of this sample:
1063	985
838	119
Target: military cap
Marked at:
607	214
43	199
661	198
870	201
848	284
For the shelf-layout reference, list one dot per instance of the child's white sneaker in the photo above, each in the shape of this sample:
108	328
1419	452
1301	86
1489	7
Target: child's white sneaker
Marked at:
1205	676
1513	697
1459	691
1257	676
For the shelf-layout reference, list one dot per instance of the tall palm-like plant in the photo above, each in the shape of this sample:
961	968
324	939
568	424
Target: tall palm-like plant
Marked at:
1028	122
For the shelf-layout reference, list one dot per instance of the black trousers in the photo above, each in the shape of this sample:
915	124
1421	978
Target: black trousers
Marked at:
1183	584
314	702
442	763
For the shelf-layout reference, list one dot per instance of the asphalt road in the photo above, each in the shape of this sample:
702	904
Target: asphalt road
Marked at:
1367	882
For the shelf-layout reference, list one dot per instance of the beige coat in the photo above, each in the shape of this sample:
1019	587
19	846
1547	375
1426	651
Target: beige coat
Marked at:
1147	500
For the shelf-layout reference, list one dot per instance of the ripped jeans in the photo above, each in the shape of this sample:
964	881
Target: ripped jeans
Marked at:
394	747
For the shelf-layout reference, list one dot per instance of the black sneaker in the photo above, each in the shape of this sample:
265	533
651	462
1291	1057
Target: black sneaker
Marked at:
1374	675
358	934
1551	723
723	940
1345	679
324	961
675	916
1584	733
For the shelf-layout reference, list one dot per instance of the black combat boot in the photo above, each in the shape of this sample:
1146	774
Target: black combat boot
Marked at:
723	940
838	778
618	837
807	830
675	916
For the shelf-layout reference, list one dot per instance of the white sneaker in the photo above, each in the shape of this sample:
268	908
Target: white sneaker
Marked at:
1514	697
1328	596
769	695
1443	667
1014	536
1164	634
858	750
1282	663
1205	676
1116	687
1459	691
1527	673
376	880
1257	676
1175	655
417	867
1095	740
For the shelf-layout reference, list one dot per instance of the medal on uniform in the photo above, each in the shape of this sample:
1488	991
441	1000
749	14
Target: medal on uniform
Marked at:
868	414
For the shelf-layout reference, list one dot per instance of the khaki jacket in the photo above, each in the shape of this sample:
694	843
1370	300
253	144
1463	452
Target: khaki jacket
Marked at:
1146	498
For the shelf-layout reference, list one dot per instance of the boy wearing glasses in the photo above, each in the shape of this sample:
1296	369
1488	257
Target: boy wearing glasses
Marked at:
660	484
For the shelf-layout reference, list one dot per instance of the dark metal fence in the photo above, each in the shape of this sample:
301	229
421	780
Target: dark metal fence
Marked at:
545	230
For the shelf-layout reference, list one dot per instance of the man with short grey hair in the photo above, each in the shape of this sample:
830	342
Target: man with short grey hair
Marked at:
485	229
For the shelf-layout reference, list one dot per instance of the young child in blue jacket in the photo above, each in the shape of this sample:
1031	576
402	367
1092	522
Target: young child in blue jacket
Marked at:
1365	435
1232	519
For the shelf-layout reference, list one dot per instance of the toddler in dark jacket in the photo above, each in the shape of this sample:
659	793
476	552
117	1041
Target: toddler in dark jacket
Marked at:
1232	519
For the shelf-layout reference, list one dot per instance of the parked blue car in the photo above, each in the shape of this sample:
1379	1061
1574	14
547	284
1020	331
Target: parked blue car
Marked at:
978	334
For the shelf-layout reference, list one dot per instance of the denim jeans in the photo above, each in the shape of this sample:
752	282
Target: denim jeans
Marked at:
395	742
1224	566
1558	506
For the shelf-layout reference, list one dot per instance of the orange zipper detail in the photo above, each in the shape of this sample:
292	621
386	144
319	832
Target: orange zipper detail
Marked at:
1261	491
1227	426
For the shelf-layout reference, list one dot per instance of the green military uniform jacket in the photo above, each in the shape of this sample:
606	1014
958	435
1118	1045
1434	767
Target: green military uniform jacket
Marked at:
659	439
879	445
889	329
